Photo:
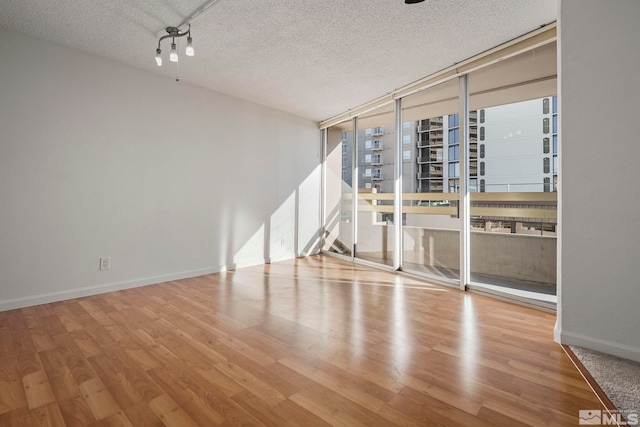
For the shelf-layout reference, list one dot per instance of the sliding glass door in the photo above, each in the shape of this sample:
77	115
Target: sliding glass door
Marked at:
431	182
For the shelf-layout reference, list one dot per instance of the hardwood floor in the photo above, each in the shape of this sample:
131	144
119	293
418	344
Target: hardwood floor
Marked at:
314	341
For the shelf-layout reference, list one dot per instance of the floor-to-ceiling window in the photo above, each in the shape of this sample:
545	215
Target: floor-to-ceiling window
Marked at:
513	211
502	146
338	238
376	141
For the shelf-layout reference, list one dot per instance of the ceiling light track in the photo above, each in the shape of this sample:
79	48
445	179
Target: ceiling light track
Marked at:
173	32
191	18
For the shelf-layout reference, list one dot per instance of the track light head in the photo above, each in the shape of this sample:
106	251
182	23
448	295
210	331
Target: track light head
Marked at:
173	56
189	50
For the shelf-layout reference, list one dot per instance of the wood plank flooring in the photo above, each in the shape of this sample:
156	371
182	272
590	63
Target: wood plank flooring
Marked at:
314	341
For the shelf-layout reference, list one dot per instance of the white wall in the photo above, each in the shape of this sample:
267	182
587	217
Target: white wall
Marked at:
169	180
600	149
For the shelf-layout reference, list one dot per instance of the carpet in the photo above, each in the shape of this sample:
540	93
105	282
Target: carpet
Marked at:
618	378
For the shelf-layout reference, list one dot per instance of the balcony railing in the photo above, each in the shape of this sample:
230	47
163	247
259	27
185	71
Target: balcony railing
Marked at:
424	160
377	160
377	177
430	142
427	125
379	131
377	146
432	174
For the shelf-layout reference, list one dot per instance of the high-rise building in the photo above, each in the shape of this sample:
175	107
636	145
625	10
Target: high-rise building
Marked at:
512	148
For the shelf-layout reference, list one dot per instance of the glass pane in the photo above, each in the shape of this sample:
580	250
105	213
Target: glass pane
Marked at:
376	140
431	227
339	235
513	221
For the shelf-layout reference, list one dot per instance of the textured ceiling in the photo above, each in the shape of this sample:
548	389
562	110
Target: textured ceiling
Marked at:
312	58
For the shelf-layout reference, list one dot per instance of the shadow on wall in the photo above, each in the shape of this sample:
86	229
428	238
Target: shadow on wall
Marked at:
292	230
332	237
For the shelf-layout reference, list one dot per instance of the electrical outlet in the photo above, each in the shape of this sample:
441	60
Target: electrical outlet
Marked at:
105	263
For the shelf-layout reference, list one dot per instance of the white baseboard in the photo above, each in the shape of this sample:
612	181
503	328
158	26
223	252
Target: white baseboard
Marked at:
603	346
108	287
29	301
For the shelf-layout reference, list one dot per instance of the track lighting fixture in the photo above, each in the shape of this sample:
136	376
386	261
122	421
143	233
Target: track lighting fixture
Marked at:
173	32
